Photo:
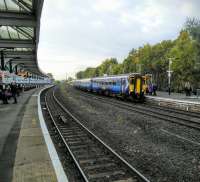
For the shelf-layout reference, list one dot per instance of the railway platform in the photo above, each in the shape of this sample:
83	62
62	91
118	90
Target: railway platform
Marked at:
24	151
176	100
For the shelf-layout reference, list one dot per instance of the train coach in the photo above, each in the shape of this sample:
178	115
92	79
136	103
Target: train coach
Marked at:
126	86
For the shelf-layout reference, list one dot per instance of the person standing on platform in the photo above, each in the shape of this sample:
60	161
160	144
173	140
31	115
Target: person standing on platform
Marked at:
14	92
4	95
154	89
187	88
1	92
150	89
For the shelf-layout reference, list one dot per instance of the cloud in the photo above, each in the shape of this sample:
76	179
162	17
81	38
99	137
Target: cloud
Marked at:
76	34
107	5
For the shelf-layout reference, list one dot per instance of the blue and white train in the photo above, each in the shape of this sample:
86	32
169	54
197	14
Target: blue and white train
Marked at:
128	85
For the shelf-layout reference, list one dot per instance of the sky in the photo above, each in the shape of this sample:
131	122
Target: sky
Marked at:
76	34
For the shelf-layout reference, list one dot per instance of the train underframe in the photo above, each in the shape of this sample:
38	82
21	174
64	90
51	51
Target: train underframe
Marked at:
125	96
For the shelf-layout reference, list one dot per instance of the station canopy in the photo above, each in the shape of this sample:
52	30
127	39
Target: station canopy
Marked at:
19	32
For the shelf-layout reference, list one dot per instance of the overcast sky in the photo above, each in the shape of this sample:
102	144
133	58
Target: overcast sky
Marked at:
76	34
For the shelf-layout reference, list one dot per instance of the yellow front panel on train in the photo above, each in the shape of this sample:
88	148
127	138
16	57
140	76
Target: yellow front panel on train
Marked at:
131	88
138	85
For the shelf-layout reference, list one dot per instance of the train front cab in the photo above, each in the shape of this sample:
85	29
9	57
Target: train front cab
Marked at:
136	87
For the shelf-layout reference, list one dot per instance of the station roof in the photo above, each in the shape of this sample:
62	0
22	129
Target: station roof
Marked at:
19	32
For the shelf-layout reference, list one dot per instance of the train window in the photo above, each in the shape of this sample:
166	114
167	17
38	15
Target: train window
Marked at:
131	81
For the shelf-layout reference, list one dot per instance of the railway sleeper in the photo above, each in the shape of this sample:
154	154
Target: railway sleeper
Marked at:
82	146
93	160
105	175
87	152
68	132
99	166
91	148
94	163
106	169
75	135
125	178
75	143
70	129
92	156
81	139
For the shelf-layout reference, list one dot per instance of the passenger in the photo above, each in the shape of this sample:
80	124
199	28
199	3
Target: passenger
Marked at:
4	95
1	92
187	89
150	89
14	92
18	90
190	90
154	89
147	90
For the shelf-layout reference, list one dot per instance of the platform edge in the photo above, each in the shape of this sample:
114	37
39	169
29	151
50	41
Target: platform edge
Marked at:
58	168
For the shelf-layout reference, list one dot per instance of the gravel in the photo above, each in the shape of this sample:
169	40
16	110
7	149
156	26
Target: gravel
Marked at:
149	144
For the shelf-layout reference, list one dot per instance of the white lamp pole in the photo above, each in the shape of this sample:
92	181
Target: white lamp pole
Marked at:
169	76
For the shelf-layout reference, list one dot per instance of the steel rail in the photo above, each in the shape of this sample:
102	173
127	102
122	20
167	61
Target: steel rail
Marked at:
162	108
135	171
64	141
149	112
167	109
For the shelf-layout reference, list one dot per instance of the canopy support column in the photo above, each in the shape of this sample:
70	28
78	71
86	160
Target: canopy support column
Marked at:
2	61
10	67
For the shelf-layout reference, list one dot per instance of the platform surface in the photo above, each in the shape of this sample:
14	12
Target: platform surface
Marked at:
177	96
10	122
32	162
24	155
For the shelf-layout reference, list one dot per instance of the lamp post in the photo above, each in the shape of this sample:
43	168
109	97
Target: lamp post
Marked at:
3	57
169	76
10	65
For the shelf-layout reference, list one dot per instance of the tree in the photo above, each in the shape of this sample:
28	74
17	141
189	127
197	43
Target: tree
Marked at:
184	53
107	66
192	26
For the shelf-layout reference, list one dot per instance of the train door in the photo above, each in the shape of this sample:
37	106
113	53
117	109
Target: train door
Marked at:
138	85
131	84
123	85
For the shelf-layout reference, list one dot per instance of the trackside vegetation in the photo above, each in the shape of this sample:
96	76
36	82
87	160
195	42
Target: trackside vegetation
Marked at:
184	52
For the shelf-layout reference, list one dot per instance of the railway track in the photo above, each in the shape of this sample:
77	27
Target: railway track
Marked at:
177	111
184	118
95	160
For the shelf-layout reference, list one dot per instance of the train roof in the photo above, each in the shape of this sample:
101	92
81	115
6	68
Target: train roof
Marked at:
115	76
109	77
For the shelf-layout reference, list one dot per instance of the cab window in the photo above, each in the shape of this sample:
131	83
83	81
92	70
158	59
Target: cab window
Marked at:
131	81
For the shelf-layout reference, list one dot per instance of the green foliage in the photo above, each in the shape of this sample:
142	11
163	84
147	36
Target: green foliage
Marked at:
185	56
154	59
56	82
109	67
192	26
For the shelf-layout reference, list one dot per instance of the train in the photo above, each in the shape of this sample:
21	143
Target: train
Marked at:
132	86
7	78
